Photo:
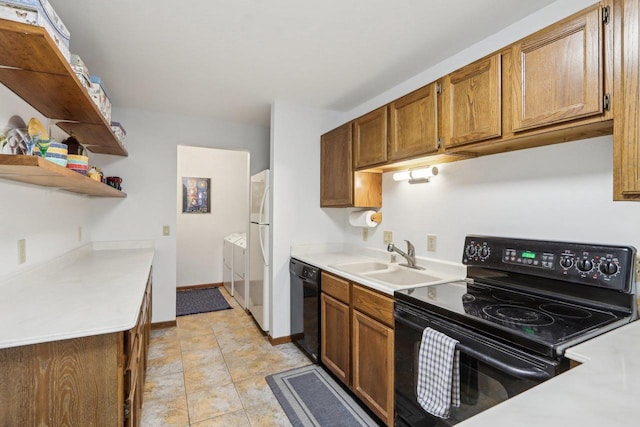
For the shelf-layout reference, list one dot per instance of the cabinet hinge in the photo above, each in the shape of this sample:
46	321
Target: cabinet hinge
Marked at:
606	11
127	410
606	102
439	143
438	88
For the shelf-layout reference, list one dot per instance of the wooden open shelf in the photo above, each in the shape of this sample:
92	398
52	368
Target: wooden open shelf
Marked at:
34	69
38	171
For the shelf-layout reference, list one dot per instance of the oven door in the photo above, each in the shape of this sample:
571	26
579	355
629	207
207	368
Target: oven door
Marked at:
490	371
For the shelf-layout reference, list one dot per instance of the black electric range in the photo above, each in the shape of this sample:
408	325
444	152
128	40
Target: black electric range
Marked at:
539	295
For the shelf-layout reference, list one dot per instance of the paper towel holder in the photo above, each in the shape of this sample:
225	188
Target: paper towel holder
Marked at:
377	217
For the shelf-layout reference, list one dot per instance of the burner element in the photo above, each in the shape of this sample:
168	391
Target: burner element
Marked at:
517	315
565	311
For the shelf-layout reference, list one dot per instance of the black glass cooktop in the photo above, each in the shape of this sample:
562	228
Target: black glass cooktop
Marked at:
534	322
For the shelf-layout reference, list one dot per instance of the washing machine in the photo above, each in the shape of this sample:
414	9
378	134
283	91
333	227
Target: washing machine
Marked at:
240	285
227	261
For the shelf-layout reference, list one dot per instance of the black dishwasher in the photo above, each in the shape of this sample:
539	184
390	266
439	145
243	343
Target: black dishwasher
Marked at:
305	307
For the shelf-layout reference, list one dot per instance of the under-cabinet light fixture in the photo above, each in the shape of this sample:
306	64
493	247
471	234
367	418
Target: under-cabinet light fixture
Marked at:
416	176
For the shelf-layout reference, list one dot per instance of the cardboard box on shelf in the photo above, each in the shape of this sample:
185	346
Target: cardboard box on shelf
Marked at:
41	14
119	131
100	97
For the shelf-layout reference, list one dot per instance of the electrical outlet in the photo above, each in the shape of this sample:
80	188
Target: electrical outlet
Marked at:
365	234
22	251
388	237
79	233
166	230
431	242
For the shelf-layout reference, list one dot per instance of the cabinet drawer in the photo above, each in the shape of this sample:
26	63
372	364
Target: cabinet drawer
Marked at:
336	287
376	305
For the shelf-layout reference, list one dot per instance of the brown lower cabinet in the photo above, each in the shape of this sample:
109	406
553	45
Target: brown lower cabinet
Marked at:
357	341
90	381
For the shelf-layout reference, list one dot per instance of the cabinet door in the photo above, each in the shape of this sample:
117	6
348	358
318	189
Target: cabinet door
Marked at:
334	336
626	137
471	103
373	365
557	72
336	170
370	138
413	124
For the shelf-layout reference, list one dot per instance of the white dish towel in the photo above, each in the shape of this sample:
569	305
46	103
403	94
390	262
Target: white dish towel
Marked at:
438	373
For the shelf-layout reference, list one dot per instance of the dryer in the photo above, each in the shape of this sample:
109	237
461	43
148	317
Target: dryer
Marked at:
240	285
227	261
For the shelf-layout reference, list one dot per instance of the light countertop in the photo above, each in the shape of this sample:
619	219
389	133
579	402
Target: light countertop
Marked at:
327	256
93	290
603	391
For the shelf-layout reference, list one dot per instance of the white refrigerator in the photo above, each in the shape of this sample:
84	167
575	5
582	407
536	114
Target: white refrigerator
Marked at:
259	256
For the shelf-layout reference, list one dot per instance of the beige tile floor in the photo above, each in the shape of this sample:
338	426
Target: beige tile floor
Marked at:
209	371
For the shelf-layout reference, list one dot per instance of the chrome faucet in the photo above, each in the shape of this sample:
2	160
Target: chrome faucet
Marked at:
410	255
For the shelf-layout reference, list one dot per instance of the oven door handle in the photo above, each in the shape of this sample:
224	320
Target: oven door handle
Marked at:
530	373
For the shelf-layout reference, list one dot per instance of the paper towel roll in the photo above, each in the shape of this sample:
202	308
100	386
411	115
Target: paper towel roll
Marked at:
364	218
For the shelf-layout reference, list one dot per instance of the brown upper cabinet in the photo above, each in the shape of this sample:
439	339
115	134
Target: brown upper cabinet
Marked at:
558	72
576	79
340	186
370	139
471	103
413	124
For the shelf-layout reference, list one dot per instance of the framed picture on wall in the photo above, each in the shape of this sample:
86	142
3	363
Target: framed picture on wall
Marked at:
196	195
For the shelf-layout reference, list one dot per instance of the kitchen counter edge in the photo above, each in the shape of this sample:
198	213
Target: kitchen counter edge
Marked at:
92	290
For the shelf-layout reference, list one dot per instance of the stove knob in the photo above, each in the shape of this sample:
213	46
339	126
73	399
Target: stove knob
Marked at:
470	250
608	267
584	265
484	252
566	262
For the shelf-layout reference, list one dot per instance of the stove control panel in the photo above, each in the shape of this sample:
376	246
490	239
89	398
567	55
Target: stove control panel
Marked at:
596	265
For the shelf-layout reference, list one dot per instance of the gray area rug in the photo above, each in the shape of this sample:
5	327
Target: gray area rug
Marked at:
200	301
310	397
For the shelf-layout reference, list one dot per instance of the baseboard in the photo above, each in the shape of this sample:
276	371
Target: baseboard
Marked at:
279	340
203	286
162	325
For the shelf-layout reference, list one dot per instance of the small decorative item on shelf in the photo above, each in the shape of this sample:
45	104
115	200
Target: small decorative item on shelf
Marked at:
15	137
74	147
78	163
114	181
95	173
51	150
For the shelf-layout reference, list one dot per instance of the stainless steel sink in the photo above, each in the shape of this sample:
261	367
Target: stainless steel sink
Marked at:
389	274
362	267
402	277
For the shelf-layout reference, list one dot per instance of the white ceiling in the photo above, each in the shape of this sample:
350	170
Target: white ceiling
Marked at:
230	59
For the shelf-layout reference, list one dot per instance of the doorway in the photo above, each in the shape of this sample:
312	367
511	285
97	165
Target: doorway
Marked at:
200	232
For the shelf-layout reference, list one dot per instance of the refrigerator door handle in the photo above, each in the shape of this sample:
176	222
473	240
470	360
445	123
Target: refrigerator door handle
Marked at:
264	257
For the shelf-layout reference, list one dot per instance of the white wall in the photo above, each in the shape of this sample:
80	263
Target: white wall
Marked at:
48	219
149	178
199	236
559	192
296	215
